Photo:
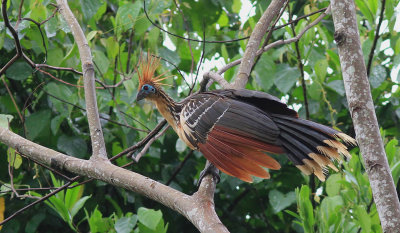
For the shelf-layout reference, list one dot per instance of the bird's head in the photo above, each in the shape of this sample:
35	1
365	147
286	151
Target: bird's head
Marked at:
149	84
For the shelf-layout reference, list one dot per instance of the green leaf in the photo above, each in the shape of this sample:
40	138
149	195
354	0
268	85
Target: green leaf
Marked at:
91	35
286	77
58	205
169	55
112	47
74	146
95	221
280	201
19	71
377	76
264	72
55	124
54	56
396	172
5	120
362	5
34	222
126	224
363	218
14	159
321	67
78	205
126	16
337	86
391	149
101	61
72	196
332	185
236	6
314	91
330	206
90	8
305	208
38	11
37	123
148	217
223	20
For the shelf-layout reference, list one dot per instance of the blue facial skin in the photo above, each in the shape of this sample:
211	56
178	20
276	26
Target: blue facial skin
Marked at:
146	90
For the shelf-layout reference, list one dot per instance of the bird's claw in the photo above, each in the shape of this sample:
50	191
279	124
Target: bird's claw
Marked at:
210	169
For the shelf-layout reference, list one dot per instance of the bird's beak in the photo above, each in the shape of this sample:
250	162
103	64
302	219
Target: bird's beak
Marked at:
141	95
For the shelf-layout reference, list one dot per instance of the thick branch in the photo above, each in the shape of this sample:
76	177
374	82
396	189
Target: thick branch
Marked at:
96	133
362	111
197	208
254	42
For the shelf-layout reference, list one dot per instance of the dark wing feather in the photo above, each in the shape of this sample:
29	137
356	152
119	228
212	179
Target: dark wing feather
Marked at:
231	134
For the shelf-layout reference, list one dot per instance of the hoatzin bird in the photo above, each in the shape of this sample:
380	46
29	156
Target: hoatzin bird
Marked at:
234	129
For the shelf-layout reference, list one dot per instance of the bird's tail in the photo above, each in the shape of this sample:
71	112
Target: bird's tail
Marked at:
312	146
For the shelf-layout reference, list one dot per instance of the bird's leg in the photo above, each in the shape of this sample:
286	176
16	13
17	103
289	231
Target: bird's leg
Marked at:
210	169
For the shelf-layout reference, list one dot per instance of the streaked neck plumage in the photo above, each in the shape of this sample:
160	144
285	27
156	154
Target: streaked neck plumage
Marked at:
168	108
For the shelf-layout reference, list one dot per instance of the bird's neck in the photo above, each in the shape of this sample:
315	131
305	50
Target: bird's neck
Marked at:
168	108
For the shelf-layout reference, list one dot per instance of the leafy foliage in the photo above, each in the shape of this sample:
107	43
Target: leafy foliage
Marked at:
53	115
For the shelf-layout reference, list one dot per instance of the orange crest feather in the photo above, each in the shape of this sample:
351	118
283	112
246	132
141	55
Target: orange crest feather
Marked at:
147	68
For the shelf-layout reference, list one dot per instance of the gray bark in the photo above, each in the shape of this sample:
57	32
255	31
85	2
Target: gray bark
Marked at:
363	114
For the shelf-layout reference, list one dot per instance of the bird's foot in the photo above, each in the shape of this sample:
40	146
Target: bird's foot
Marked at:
210	169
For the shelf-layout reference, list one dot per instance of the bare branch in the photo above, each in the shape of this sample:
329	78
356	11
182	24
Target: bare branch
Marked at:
96	133
148	144
254	42
363	113
218	78
198	208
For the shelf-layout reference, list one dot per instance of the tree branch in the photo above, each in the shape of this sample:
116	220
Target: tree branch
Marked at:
198	208
254	42
96	133
362	111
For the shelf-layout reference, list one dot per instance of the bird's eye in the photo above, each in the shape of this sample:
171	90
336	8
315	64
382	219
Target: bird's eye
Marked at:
145	87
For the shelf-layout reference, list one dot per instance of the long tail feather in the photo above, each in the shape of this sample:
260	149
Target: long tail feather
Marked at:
312	146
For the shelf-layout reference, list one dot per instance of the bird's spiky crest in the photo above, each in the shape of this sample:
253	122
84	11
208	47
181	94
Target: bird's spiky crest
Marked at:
147	68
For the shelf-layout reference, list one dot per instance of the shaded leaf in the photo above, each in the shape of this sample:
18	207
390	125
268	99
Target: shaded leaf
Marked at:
126	224
286	77
337	86
5	120
377	76
73	146
148	217
280	201
332	185
19	71
37	123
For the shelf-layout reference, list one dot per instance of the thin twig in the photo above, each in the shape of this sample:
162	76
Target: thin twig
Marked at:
270	33
372	52
14	102
148	144
188	41
277	43
38	201
104	118
179	168
142	142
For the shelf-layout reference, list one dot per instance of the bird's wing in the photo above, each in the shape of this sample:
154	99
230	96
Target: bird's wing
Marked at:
261	100
231	134
233	129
